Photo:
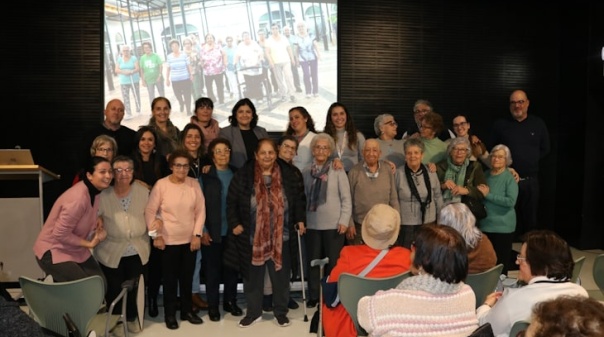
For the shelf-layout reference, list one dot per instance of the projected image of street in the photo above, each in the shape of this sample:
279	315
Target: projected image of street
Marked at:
278	54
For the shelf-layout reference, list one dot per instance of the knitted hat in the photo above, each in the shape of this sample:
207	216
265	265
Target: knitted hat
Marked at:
381	226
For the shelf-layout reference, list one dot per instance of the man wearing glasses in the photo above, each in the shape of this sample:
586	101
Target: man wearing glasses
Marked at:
528	139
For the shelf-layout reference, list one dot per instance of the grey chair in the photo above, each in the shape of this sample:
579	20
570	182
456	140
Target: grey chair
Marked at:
577	269
518	327
598	271
484	283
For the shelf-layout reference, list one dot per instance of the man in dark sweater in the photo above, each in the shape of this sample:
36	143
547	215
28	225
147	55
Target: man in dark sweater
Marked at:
528	140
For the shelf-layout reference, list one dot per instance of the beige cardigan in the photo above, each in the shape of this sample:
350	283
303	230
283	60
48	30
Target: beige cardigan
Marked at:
123	227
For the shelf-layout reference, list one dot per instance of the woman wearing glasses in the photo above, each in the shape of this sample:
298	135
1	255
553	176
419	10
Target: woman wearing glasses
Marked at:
385	128
124	254
176	212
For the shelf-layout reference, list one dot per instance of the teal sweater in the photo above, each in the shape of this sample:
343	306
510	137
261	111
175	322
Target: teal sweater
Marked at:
500	202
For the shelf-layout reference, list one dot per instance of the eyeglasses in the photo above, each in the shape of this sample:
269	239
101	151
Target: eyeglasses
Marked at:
104	149
416	111
456	125
121	170
425	126
321	148
221	152
520	258
464	150
289	147
393	123
181	166
521	102
497	157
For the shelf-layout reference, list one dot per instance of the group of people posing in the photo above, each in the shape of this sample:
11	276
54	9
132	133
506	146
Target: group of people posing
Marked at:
238	199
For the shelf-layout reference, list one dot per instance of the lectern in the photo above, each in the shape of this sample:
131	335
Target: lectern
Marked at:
21	219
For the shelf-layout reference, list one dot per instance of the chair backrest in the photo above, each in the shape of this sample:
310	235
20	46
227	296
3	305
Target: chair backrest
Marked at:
352	287
48	302
577	269
485	330
517	327
598	271
484	283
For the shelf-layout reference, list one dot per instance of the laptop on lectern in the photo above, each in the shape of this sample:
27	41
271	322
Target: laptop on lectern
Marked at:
16	157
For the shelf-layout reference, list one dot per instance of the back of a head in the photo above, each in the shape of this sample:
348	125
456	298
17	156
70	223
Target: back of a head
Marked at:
548	255
381	226
441	252
567	316
458	216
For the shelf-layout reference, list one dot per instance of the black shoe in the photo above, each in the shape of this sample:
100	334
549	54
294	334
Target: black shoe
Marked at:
292	304
153	311
192	318
214	314
249	321
171	323
267	303
282	320
232	308
312	303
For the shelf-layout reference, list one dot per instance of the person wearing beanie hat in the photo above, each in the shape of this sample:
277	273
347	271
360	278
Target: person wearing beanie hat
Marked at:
380	230
435	301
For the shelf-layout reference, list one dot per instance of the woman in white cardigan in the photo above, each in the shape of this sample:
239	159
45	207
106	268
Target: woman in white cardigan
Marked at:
125	252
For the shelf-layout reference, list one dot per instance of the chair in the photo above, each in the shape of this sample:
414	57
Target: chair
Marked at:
352	287
577	269
518	327
598	271
485	330
484	283
80	300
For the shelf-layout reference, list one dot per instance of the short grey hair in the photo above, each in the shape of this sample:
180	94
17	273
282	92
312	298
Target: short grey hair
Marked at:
460	141
459	216
323	136
506	150
414	141
378	122
424	102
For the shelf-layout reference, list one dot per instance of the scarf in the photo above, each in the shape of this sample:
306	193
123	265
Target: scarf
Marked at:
413	186
456	173
268	235
318	188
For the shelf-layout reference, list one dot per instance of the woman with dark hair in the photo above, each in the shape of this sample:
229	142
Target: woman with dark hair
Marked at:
179	74
301	126
545	264
125	253
567	316
203	117
348	139
166	132
435	301
63	247
244	132
215	188
264	204
176	213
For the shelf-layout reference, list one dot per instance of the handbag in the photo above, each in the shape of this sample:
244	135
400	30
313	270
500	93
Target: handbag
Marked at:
476	206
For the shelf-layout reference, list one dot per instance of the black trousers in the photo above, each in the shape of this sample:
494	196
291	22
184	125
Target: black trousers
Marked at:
216	272
178	263
527	205
320	244
130	267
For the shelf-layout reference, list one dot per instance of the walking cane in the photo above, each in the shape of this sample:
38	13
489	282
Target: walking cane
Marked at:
302	273
321	263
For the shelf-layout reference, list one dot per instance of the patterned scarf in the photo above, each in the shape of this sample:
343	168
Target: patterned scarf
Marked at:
413	186
318	188
268	236
456	173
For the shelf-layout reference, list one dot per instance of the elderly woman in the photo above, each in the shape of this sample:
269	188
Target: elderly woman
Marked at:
179	73
348	139
63	247
567	316
546	265
215	188
418	190
431	125
328	210
435	301
244	132
264	204
393	151
481	255
500	222
125	253
213	61
460	177
102	146
176	212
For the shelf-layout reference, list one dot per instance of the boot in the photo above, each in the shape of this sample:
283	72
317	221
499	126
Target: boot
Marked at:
153	311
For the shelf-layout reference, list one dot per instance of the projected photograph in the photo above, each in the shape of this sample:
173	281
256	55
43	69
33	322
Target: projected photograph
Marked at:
279	54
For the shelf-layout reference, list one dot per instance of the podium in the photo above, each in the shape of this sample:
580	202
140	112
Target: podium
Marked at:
21	219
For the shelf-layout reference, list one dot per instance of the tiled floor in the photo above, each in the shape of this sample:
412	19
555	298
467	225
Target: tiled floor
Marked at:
155	327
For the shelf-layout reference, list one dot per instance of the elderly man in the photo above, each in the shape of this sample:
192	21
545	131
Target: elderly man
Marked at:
421	108
371	182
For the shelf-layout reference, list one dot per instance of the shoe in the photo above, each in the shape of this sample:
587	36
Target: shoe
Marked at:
118	330
282	320
315	95
308	96
153	311
214	314
267	303
249	321
298	89
312	303
199	302
133	327
192	318
292	304
292	98
232	308
171	323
